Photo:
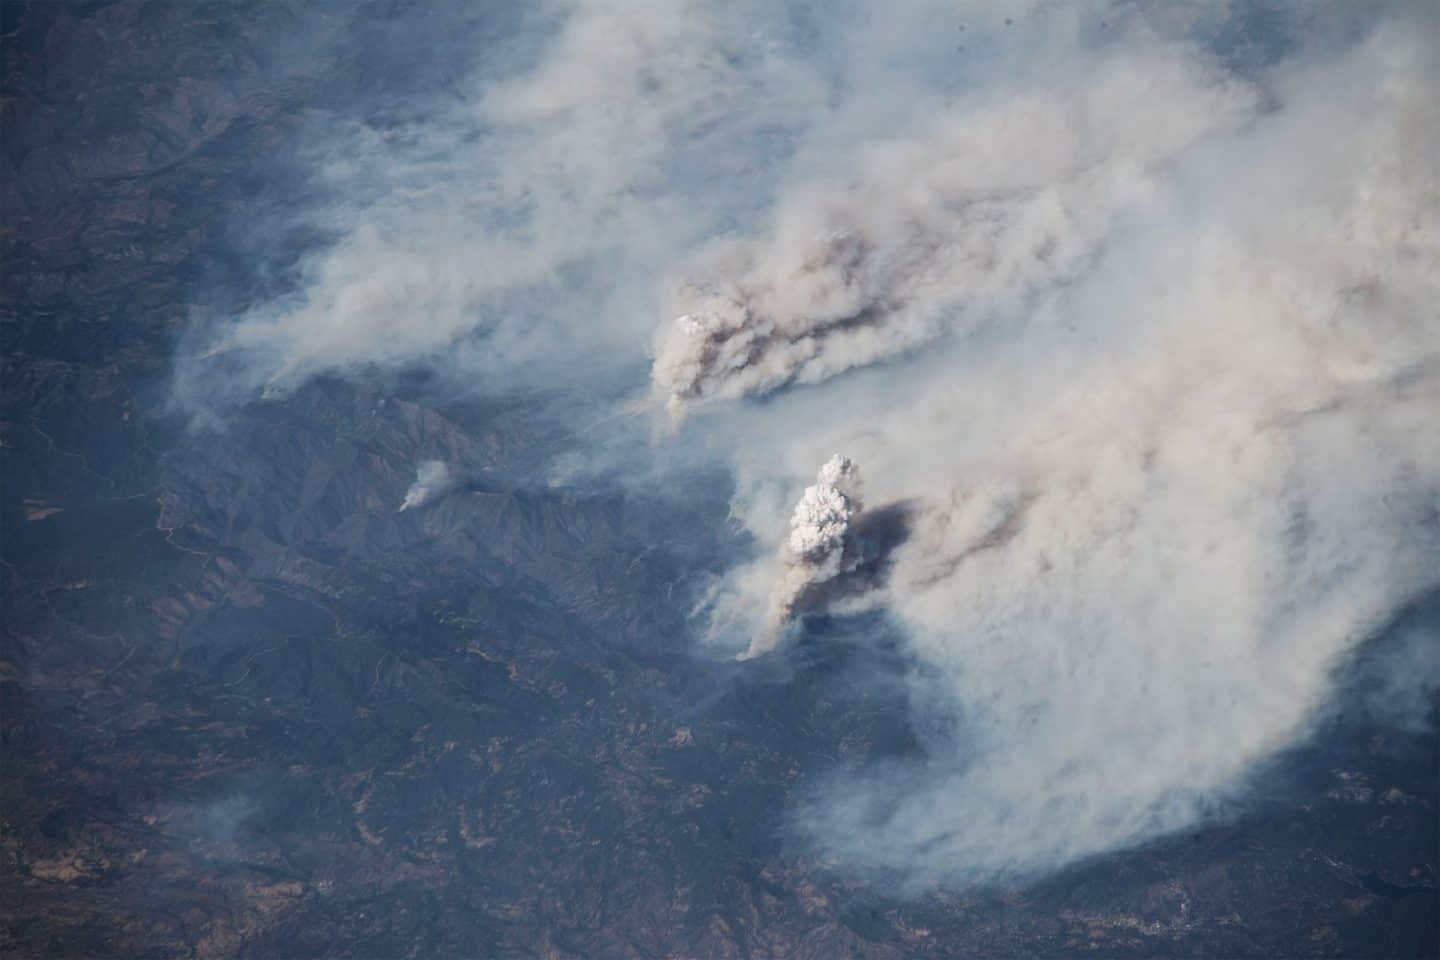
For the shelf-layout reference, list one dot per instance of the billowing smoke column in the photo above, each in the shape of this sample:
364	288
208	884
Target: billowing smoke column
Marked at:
822	518
966	223
432	478
820	545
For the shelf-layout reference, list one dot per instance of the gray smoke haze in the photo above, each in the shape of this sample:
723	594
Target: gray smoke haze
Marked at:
1146	337
432	478
514	227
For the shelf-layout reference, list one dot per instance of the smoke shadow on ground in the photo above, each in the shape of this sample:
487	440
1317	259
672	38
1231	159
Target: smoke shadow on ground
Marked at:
867	558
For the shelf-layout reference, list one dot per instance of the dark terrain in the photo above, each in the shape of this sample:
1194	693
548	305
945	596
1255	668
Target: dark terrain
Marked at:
247	709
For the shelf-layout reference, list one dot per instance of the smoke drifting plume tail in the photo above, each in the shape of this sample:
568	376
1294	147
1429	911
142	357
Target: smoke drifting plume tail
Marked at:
964	221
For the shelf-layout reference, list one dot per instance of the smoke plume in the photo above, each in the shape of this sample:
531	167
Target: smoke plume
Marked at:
432	478
966	220
512	226
820	546
1136	320
1157	507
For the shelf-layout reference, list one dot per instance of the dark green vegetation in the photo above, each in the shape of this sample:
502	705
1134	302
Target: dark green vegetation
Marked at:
246	709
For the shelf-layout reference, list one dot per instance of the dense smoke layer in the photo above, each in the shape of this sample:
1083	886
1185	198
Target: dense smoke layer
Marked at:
969	218
432	478
1155	523
1156	510
1140	329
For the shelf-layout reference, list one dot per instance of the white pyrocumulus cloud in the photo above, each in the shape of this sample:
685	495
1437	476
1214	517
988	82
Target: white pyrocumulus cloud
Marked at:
432	478
822	517
820	546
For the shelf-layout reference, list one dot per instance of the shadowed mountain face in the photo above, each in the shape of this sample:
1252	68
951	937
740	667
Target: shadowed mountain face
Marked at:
247	709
